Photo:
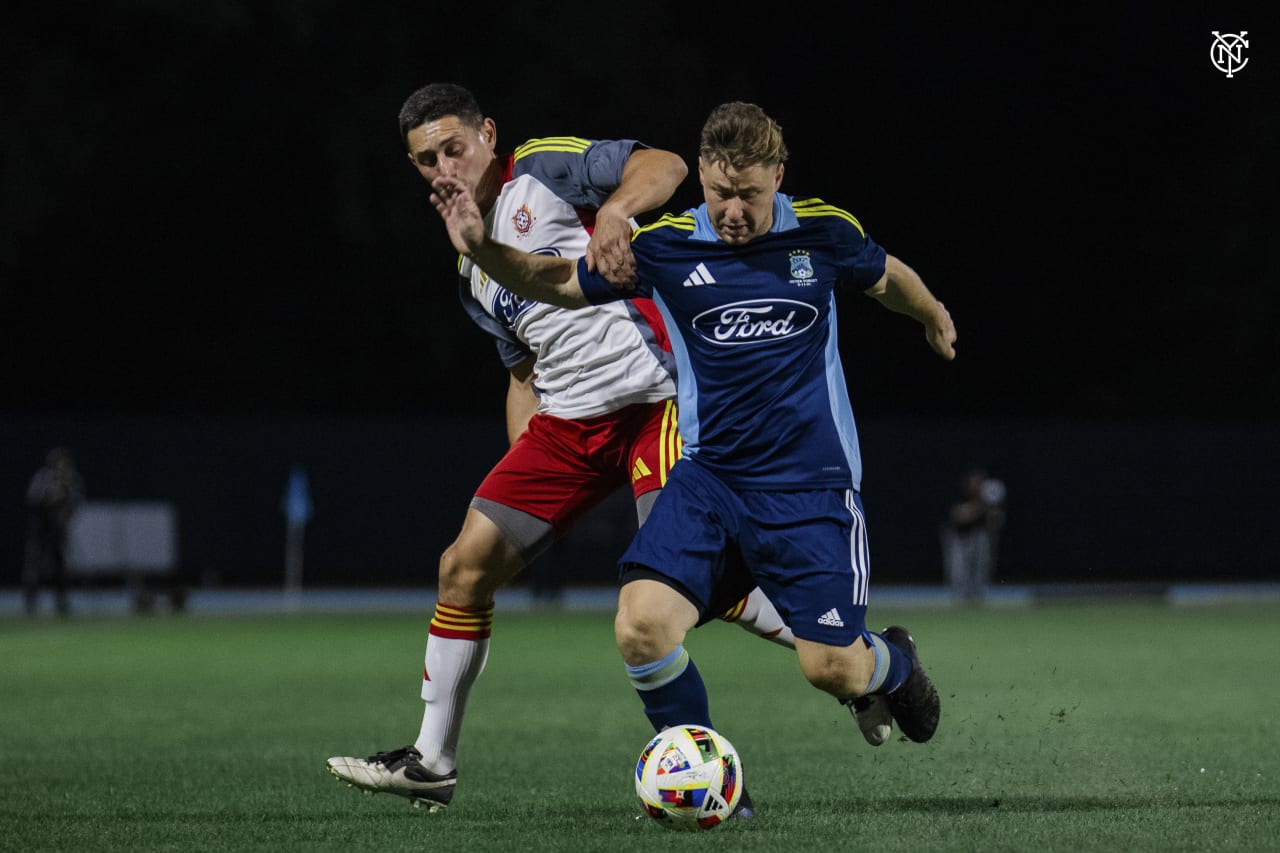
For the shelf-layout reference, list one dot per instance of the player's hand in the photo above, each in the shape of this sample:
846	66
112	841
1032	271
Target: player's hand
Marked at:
940	332
610	250
453	200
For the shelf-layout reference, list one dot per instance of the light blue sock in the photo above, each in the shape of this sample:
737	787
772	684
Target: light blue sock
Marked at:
892	665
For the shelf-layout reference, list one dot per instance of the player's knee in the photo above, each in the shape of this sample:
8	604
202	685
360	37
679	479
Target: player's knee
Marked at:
652	620
831	681
468	578
842	672
641	637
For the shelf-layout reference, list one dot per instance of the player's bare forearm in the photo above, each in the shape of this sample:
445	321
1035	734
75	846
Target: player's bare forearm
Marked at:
649	179
542	278
903	291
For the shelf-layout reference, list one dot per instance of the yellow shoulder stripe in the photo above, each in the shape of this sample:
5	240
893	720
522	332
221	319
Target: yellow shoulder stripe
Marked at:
684	222
571	144
818	207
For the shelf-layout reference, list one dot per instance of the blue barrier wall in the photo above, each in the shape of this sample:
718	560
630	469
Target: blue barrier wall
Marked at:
1144	501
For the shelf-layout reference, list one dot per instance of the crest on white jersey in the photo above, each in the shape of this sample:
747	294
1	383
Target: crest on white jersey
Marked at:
523	221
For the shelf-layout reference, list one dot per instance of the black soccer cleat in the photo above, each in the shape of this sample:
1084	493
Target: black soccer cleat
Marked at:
745	808
915	704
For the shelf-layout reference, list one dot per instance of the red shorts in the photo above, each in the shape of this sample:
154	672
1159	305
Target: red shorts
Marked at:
558	469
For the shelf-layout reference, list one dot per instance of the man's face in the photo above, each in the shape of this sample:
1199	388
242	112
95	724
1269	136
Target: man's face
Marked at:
739	201
447	146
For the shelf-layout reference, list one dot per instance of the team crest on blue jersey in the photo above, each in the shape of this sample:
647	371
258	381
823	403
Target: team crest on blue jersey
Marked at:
523	221
801	267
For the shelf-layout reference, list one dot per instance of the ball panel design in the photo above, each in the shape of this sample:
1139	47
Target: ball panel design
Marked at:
689	777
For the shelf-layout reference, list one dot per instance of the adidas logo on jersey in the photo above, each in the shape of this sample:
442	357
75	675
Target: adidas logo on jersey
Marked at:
831	618
700	275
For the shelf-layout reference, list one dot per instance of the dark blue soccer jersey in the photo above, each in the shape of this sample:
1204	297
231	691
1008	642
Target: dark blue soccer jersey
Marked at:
763	401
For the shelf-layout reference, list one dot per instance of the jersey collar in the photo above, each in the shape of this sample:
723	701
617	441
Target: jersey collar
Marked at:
784	219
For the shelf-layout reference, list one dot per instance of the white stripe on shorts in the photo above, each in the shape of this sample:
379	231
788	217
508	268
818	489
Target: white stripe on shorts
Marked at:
858	551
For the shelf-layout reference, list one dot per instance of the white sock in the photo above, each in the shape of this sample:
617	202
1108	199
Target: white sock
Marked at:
757	614
457	648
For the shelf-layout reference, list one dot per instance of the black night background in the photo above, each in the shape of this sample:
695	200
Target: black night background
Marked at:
207	214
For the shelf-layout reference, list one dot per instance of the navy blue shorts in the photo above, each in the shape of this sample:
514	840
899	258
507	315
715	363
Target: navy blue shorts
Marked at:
806	549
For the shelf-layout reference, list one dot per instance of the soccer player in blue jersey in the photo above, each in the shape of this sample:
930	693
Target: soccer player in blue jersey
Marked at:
767	489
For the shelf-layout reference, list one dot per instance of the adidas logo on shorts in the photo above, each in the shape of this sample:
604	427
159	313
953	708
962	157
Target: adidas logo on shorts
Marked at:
831	618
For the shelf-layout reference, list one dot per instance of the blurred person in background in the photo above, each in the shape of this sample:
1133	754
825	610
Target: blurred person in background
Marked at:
970	535
54	494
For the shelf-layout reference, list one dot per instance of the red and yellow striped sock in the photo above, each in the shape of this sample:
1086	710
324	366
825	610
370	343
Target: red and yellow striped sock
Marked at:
457	649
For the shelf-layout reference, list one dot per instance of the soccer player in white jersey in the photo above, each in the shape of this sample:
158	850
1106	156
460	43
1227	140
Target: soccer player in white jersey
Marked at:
771	469
590	403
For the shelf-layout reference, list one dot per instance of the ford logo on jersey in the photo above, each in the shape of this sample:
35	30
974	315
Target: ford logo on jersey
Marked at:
508	306
754	321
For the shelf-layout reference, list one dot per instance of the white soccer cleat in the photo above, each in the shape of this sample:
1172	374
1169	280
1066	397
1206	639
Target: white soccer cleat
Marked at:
399	772
873	716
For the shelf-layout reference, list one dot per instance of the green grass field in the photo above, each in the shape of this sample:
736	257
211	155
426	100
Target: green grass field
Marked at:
1117	727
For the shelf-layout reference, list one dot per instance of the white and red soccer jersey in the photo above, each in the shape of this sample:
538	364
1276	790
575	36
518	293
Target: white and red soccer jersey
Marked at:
589	361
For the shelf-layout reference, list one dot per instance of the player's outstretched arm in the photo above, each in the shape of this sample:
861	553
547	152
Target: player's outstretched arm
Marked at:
542	278
650	177
902	290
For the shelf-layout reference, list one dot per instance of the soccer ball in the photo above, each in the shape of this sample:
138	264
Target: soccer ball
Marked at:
689	777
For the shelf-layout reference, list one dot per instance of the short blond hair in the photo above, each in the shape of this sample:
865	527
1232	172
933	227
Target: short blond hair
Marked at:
739	135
